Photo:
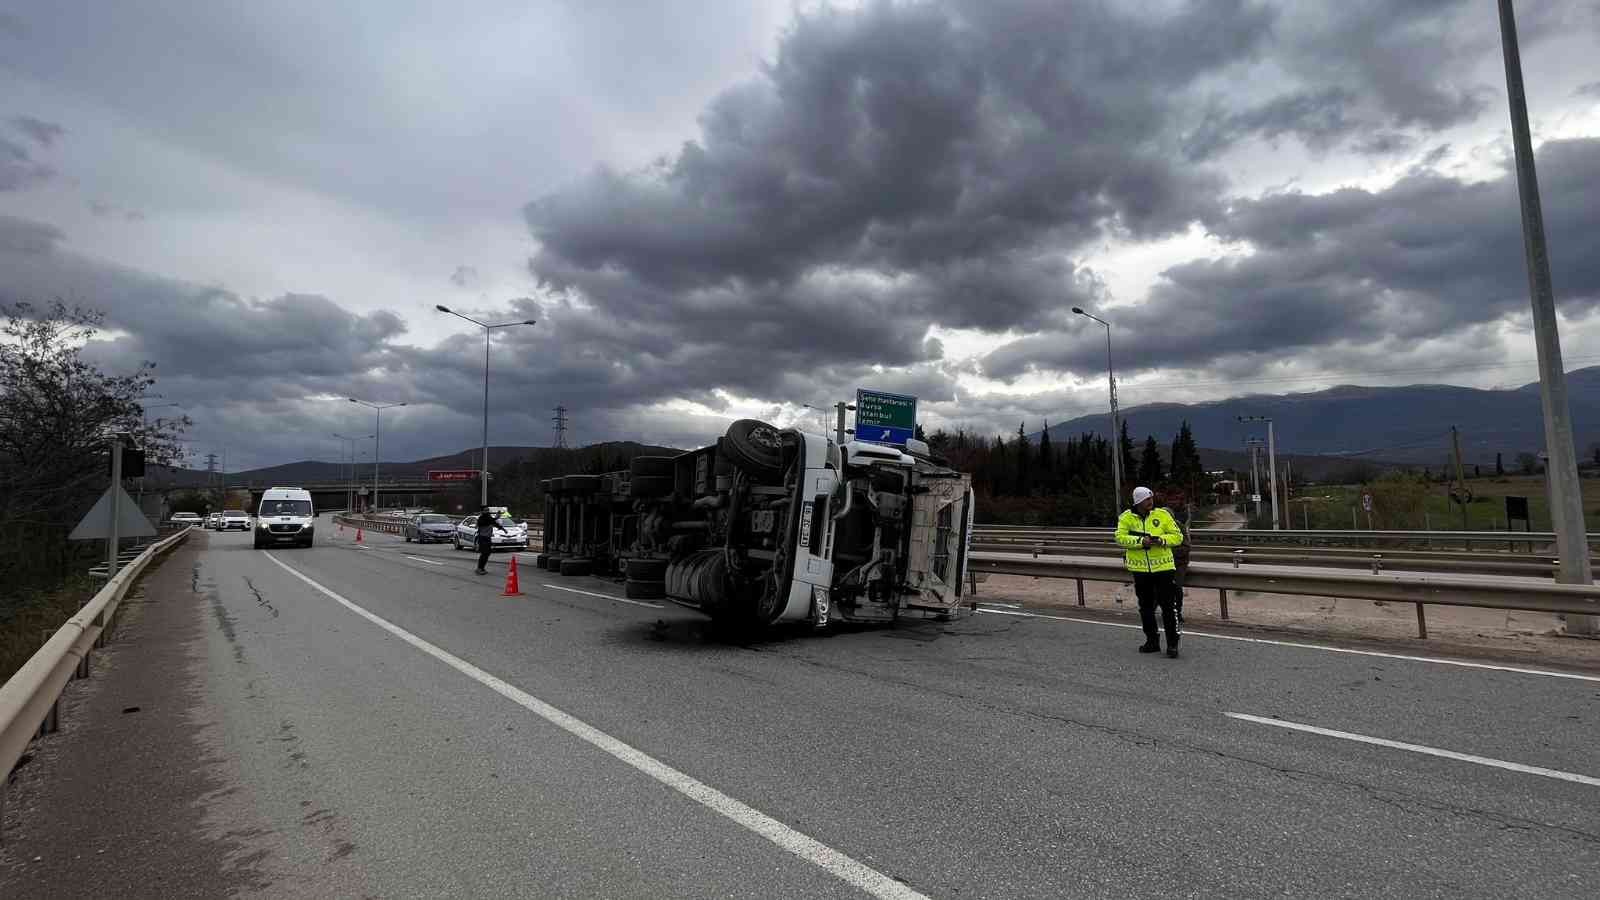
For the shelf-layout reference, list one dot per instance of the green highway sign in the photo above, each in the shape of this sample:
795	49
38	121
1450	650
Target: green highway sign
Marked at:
884	418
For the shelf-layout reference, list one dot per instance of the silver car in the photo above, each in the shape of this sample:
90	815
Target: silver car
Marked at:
430	528
513	537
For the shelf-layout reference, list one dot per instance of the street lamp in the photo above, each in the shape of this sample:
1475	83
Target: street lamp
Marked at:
1272	467
839	430
483	469
350	476
377	439
1116	421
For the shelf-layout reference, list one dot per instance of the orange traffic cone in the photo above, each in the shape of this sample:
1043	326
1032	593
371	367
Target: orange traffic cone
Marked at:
358	535
512	589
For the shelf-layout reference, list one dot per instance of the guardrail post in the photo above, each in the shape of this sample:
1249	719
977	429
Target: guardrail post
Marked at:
1222	600
1080	591
1377	563
1238	557
1422	622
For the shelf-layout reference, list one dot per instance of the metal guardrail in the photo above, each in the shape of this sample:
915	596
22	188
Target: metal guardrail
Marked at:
28	700
1443	590
1457	562
1288	534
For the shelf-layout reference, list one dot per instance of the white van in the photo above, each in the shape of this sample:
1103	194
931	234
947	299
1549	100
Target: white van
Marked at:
285	517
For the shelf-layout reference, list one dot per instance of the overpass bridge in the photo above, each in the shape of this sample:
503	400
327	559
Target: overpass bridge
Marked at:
391	492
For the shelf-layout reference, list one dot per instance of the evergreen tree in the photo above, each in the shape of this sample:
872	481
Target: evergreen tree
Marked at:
1047	458
1130	466
1150	462
1184	463
1499	466
1023	463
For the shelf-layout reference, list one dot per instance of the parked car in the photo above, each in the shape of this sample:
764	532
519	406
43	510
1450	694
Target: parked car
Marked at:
429	528
185	518
514	537
214	521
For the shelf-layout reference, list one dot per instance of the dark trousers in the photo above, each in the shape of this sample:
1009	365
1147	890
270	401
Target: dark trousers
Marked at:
1156	589
484	546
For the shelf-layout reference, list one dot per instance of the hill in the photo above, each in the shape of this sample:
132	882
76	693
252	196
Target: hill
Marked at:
309	471
1409	425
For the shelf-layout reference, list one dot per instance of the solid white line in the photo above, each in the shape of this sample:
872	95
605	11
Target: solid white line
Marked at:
605	596
809	849
1420	748
1439	660
431	562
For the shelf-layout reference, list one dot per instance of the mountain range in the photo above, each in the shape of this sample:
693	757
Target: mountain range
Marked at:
1393	424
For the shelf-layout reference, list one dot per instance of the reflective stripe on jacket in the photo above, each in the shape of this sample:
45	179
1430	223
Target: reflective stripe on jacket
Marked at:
1131	529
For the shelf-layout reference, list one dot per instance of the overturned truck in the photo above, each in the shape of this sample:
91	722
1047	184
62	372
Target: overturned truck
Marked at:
772	525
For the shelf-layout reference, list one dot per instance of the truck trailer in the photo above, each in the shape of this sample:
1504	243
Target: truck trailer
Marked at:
773	525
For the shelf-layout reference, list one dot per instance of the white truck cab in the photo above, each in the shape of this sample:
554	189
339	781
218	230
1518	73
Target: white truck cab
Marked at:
285	516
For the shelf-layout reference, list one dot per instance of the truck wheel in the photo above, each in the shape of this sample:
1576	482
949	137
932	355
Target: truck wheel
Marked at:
576	567
644	590
258	543
649	487
660	466
755	447
645	570
542	561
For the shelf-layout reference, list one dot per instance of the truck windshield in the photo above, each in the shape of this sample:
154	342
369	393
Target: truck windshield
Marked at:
286	507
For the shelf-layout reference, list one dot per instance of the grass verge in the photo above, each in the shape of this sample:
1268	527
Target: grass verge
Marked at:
28	617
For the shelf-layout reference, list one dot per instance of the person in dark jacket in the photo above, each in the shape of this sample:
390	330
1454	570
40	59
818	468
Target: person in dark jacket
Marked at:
1180	562
487	523
1148	534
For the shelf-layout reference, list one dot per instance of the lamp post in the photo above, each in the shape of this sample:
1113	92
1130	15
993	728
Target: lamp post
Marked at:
1566	493
488	329
1272	468
1116	422
350	472
839	430
377	439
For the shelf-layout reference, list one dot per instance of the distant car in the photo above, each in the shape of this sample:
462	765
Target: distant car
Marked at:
185	518
214	521
234	518
514	537
429	528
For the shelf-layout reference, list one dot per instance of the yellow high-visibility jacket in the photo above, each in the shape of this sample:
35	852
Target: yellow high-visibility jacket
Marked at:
1131	529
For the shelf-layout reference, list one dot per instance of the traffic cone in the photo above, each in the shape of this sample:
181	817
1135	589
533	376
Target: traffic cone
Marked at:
512	589
358	535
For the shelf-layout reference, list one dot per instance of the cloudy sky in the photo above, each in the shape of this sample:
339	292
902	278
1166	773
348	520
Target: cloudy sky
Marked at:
722	208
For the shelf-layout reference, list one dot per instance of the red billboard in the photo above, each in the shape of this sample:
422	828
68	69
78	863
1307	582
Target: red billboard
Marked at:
452	474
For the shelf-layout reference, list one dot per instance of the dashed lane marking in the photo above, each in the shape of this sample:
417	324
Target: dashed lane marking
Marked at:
835	862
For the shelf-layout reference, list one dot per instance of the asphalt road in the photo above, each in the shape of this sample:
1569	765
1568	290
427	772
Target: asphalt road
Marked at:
379	721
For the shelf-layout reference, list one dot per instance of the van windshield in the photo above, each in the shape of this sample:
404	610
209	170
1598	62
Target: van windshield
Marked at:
286	507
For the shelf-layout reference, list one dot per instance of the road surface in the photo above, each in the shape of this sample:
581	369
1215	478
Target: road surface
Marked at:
378	721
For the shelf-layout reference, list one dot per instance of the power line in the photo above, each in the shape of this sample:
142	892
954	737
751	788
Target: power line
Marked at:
560	420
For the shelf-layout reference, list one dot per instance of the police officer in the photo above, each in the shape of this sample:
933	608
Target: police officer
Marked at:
487	523
1147	535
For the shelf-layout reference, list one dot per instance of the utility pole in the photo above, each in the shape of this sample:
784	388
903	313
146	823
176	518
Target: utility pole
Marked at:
1566	498
560	420
1461	476
1272	468
1255	474
116	507
1116	420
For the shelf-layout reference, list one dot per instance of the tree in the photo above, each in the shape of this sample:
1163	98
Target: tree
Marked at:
1130	467
1477	471
1046	452
1023	463
1499	467
1527	463
1150	462
191	501
1184	462
55	412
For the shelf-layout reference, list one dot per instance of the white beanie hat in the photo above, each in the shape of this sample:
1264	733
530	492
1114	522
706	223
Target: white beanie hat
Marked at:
1141	494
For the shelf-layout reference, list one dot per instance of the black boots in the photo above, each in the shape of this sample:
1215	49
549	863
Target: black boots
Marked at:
1150	646
1172	649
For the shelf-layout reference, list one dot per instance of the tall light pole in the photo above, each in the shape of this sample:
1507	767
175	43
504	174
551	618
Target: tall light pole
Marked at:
377	440
483	469
1255	473
839	431
1116	421
1272	467
1566	498
350	472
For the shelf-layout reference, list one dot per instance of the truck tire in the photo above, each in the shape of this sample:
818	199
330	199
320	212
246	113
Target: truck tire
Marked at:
649	487
756	448
660	466
552	562
576	567
644	590
645	570
542	561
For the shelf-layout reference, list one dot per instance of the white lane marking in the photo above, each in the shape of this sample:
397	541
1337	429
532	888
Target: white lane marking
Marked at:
605	596
844	867
1443	661
431	562
1421	748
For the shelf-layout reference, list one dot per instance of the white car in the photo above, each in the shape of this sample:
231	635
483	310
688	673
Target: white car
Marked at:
214	521
234	518
185	518
514	537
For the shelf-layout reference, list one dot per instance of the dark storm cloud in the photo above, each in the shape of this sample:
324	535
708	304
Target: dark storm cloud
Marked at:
1592	89
1319	119
43	133
901	165
18	168
1431	257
